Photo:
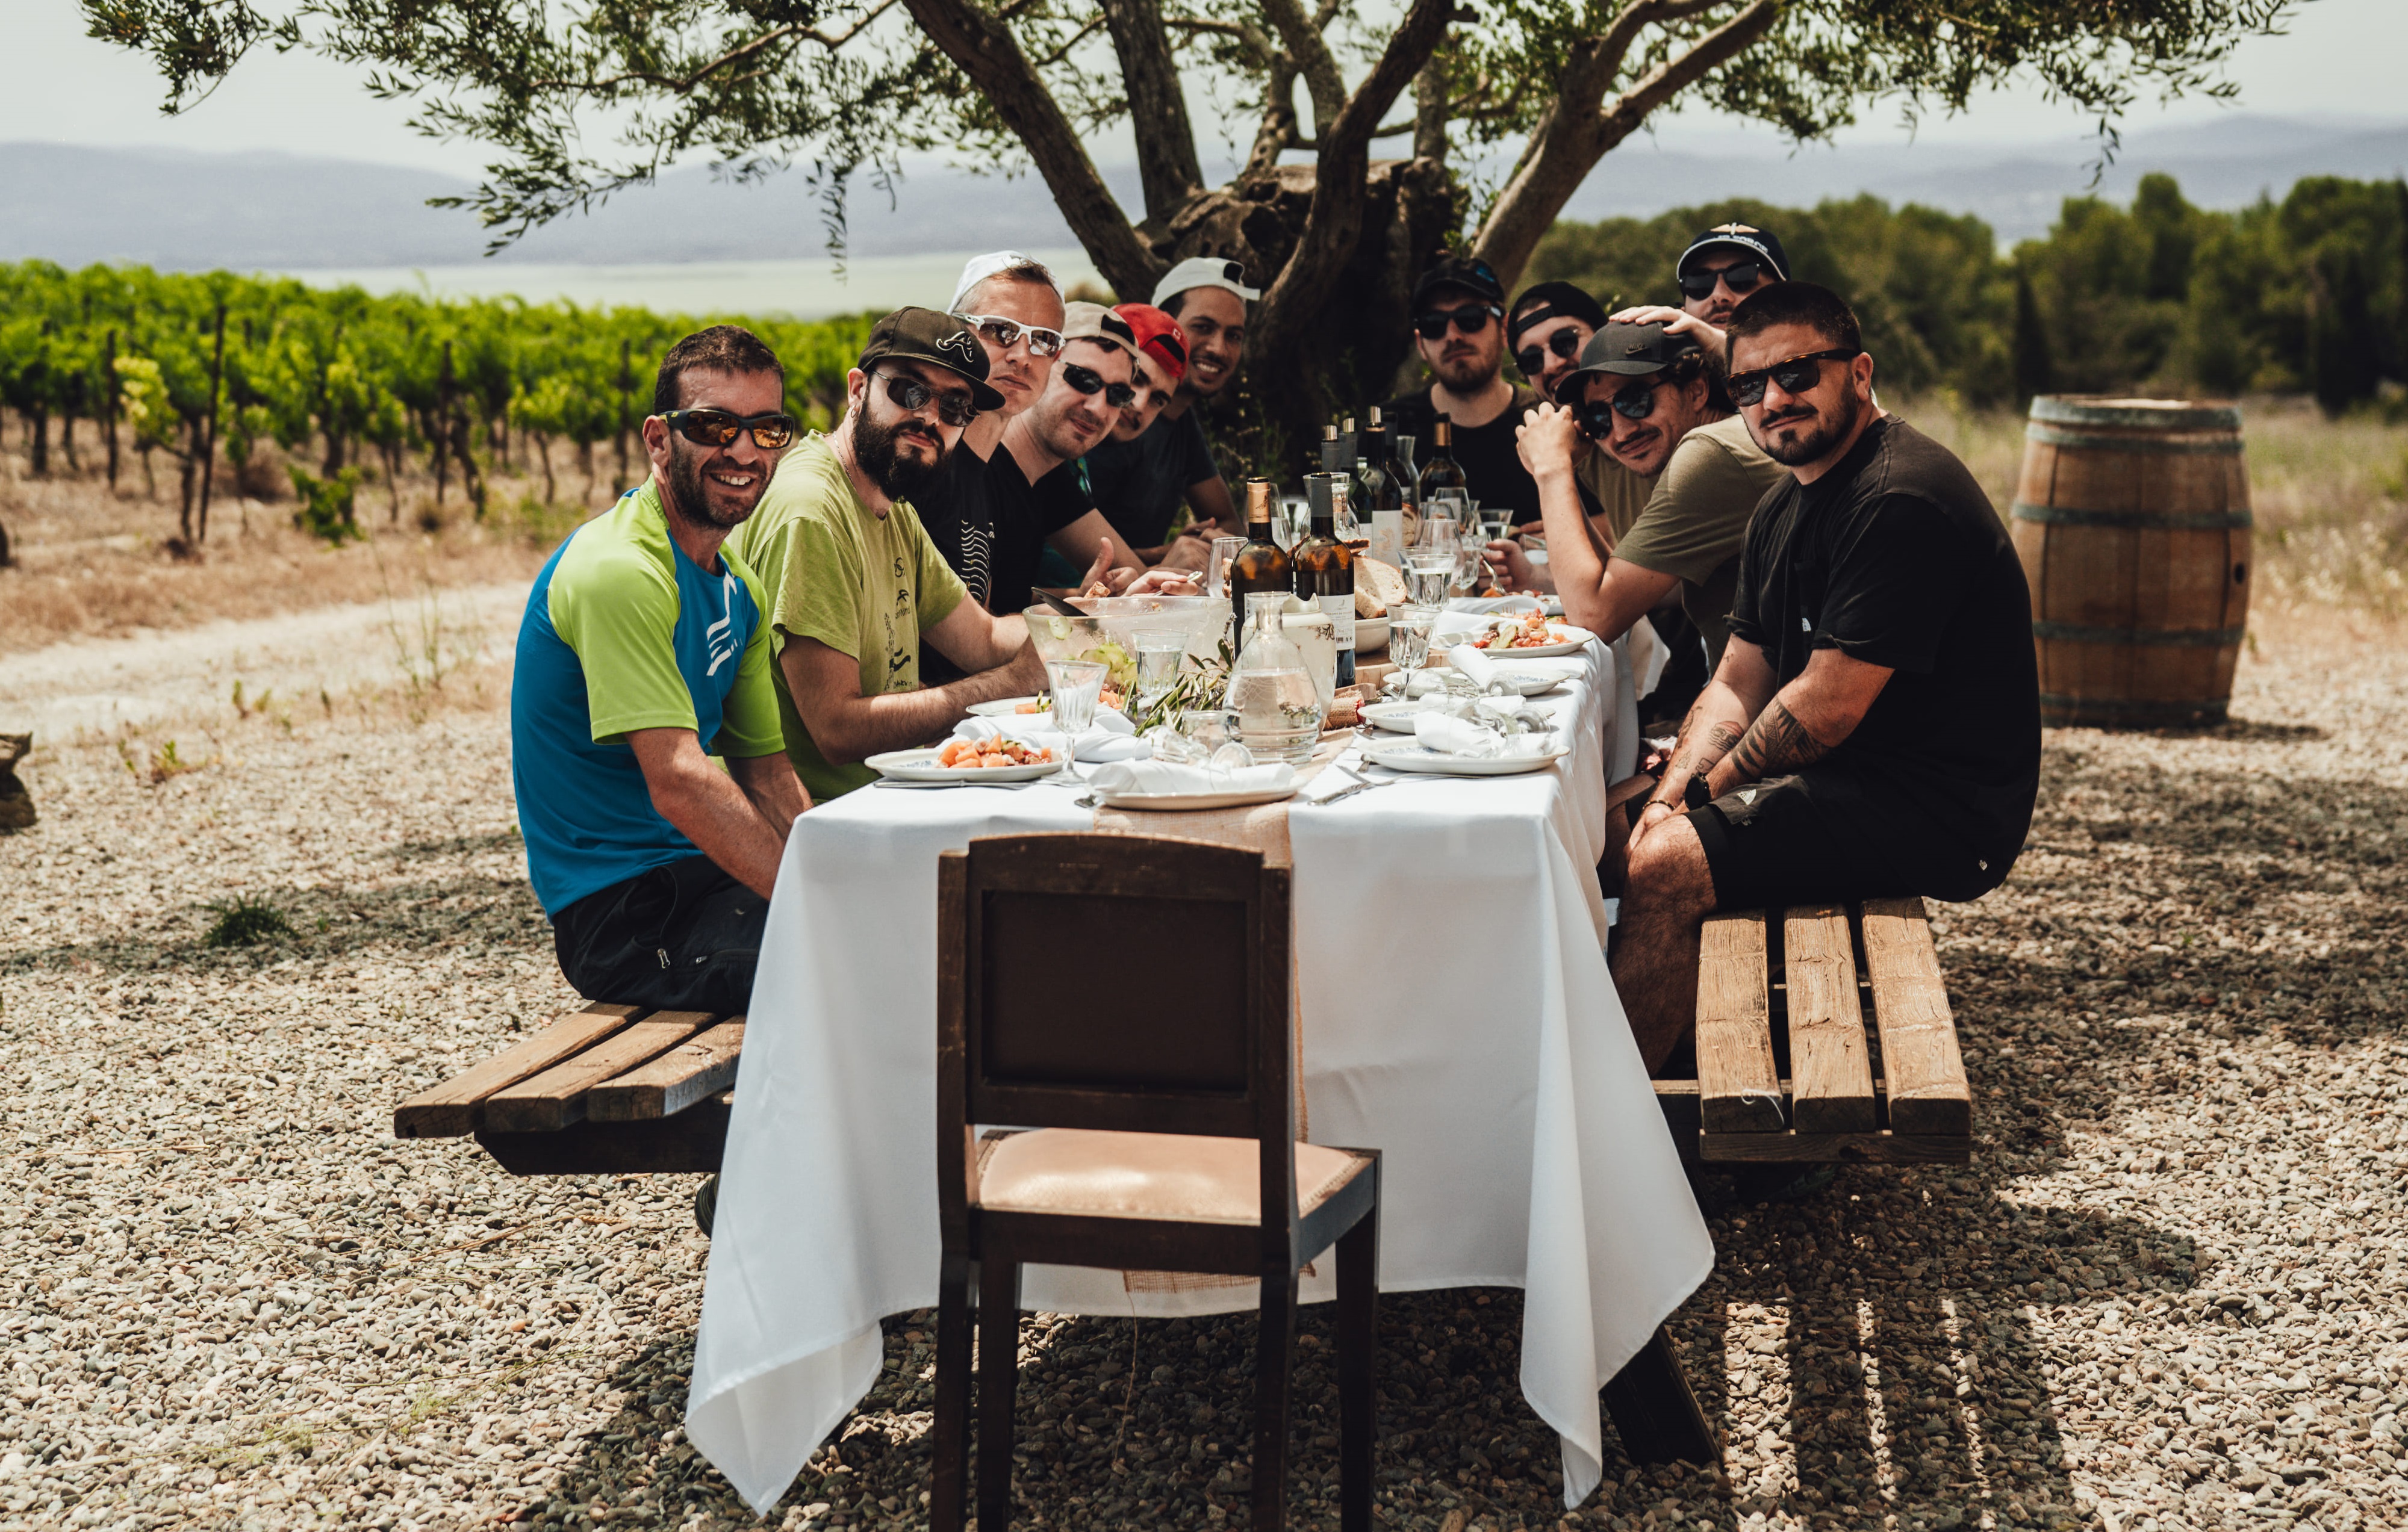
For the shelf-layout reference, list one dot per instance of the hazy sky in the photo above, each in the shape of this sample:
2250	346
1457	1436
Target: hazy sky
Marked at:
2340	57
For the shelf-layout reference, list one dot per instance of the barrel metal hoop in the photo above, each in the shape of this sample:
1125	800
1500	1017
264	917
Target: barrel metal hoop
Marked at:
2174	415
2057	707
2052	436
2075	633
2186	521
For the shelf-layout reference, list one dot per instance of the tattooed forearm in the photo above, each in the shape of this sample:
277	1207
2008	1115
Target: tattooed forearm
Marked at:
1777	745
1701	749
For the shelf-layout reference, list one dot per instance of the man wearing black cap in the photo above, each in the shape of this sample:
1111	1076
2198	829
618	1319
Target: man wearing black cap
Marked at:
854	583
1459	329
1720	268
1647	397
1874	726
1545	330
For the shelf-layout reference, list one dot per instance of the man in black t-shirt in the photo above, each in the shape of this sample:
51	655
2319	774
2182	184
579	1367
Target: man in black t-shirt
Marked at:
1459	333
1874	726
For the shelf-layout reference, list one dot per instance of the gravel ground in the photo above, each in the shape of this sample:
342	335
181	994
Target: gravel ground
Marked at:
2172	1291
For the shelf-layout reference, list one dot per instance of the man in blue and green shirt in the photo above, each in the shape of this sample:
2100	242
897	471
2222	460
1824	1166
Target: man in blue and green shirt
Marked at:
642	656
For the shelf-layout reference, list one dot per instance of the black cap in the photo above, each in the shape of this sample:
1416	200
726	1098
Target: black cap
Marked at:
1552	300
1471	274
1739	236
1633	349
924	335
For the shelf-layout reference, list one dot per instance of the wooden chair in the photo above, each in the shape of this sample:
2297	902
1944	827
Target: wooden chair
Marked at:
1163	1127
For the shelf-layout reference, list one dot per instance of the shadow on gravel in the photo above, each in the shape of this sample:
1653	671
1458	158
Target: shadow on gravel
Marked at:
462	845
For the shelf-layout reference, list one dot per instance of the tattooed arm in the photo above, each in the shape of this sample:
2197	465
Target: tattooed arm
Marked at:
1807	719
1718	721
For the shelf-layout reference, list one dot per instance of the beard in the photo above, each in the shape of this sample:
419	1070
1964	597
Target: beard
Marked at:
1831	427
1465	373
690	492
876	448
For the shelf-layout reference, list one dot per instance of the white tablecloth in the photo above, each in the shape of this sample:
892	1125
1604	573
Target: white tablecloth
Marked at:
1470	1031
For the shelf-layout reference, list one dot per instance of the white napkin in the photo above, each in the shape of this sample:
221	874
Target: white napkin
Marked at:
1492	604
1475	664
1448	735
1160	778
1112	738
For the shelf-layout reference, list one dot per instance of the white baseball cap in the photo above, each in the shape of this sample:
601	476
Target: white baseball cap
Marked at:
1205	271
978	268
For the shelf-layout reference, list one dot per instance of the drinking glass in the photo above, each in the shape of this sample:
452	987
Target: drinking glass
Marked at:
1159	656
1216	567
1451	506
1077	685
1408	640
1429	579
1494	523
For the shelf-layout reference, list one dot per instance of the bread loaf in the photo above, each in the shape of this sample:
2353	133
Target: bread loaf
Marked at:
1377	587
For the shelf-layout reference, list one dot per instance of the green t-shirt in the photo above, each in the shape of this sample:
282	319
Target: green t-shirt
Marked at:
864	584
1697	517
1620	494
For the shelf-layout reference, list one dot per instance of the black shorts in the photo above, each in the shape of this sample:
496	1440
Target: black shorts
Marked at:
1775	843
684	936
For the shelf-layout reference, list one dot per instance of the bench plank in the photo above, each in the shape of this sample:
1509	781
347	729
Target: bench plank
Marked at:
449	1111
701	1066
1920	1057
1738	1090
1876	1148
693	1141
1830	1062
556	1097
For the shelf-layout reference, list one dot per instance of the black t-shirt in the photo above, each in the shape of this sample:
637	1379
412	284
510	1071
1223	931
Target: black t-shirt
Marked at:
1026	515
959	515
1491	461
1140	485
1896	557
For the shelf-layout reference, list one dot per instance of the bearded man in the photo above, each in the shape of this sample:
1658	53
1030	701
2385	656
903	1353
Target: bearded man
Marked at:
642	654
855	584
1459	334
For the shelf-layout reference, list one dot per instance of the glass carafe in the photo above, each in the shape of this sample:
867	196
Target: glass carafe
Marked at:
1270	689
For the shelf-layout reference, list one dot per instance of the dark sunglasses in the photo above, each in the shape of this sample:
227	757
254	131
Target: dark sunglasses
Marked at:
1632	402
1006	334
1471	319
1564	343
954	406
719	427
1796	375
1086	380
1741	278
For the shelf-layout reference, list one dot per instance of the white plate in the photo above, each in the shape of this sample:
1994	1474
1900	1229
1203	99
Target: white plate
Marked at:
1004	707
1395	717
1526	682
1404	757
1571	641
1176	802
920	766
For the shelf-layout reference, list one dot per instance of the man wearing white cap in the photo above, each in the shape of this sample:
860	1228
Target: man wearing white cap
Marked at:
1141	482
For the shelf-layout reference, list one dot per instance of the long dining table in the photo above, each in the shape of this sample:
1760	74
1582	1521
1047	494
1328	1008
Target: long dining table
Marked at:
1455	1010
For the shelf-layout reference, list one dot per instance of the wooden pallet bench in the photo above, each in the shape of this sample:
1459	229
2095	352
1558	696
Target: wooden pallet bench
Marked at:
1786	1068
602	1091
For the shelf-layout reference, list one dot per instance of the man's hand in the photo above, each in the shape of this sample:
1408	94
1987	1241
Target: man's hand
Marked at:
1510	567
710	808
1677	321
1547	438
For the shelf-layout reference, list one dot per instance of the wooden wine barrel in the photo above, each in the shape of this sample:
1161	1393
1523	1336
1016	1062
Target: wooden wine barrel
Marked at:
2132	521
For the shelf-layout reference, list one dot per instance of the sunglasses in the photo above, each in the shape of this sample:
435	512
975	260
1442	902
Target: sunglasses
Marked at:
719	427
1564	343
954	406
1741	278
1471	319
1087	380
1006	334
1797	375
1631	401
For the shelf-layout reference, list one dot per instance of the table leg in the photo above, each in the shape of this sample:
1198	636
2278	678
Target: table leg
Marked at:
1655	1410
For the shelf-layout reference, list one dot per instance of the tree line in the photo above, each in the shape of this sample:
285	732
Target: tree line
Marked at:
2308	294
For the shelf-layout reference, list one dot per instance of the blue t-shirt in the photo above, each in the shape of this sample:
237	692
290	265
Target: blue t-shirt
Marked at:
624	632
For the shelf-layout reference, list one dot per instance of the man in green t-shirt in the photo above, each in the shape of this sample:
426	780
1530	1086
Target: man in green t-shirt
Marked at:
854	582
1645	394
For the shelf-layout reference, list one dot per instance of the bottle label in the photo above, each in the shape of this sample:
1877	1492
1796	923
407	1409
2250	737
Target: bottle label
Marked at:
1340	609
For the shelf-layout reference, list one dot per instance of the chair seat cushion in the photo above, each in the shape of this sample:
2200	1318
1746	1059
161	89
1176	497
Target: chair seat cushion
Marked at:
1172	1176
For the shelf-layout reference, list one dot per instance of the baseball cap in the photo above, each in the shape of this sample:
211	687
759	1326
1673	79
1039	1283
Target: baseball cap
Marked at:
1094	321
1158	335
978	268
1633	349
1471	274
1205	271
1552	300
1740	237
922	335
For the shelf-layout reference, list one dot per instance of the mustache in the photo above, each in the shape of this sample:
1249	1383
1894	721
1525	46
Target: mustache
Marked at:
1786	416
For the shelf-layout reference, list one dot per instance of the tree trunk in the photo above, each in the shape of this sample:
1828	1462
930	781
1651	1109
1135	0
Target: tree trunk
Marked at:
109	417
37	433
391	453
626	386
210	441
543	450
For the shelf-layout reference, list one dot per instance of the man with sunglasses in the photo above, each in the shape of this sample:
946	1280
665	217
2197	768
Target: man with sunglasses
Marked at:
855	585
1141	479
1138	475
1460	334
643	653
1720	268
1874	726
1545	330
1648	398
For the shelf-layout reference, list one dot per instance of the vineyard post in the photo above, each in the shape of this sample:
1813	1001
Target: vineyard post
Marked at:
626	386
210	442
109	394
442	425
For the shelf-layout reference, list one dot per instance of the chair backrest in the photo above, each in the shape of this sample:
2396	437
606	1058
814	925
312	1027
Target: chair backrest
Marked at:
1113	982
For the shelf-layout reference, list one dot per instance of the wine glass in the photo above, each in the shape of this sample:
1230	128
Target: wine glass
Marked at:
1159	655
1077	685
1408	640
1216	567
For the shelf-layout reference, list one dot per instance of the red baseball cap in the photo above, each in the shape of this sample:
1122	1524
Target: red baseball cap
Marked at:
1158	335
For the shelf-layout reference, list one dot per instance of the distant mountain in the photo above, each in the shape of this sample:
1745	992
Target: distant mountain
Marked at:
280	212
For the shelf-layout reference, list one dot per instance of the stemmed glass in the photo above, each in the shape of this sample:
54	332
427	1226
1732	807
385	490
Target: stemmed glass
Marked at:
1077	685
1408	640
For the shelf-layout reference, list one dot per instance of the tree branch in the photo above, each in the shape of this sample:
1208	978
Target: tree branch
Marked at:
1277	130
1305	44
1166	143
1577	128
682	85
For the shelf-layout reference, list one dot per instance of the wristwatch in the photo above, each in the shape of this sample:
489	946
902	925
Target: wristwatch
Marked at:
1695	794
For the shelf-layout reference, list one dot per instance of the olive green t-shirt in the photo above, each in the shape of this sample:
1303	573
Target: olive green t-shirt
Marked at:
864	584
1619	493
1695	519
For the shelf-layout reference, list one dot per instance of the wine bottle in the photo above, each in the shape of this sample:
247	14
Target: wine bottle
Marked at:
1373	489
1324	567
1441	473
1330	447
1261	565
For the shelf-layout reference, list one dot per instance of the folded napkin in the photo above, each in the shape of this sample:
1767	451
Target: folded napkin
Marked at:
1490	605
1447	735
1112	738
1476	665
1162	778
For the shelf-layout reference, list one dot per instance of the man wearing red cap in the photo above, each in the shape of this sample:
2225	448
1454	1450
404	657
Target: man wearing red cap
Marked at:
1142	477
